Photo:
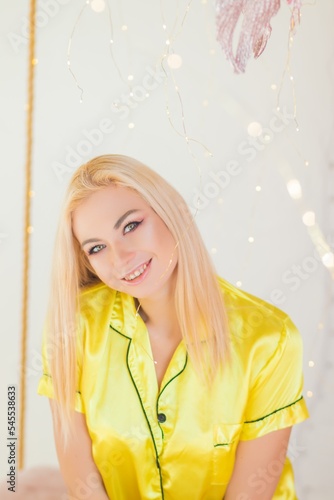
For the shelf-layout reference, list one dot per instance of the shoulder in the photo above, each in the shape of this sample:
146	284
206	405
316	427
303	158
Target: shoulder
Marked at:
259	331
96	303
253	310
96	295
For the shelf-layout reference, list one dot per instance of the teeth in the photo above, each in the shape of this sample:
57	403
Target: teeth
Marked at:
137	273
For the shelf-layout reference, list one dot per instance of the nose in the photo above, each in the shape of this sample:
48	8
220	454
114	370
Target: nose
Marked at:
122	259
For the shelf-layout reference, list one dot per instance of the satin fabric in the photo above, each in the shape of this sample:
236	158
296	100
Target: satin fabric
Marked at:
178	442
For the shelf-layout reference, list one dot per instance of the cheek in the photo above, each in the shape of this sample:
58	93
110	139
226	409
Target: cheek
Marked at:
99	265
165	241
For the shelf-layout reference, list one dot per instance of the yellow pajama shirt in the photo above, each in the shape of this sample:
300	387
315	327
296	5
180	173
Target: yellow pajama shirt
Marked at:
178	442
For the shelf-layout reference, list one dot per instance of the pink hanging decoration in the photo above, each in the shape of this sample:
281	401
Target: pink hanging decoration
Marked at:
255	29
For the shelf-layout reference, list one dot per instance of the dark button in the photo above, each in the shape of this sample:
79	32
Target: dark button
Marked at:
162	418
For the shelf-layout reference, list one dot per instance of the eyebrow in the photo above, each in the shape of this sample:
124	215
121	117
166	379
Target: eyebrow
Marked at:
116	226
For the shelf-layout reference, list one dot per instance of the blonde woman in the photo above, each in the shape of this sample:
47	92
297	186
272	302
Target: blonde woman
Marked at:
165	381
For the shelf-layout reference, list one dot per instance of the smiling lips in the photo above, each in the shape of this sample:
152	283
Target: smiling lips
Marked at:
137	272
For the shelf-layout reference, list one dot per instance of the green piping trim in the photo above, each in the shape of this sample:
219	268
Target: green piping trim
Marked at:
169	381
142	405
129	338
272	413
221	444
164	387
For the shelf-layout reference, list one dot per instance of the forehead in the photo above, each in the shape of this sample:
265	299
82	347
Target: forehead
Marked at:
111	201
113	197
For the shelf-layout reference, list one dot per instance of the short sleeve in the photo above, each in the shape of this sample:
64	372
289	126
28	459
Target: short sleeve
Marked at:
275	399
45	386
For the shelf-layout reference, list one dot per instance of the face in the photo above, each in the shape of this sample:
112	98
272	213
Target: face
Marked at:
127	244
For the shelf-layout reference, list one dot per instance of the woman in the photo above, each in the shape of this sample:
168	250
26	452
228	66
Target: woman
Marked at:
165	381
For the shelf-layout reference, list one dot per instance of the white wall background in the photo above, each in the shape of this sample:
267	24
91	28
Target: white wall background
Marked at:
218	106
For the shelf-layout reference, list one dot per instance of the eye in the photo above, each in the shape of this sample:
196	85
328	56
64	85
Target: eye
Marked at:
95	249
131	226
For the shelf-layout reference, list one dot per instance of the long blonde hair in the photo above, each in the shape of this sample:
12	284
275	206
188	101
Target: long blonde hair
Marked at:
199	301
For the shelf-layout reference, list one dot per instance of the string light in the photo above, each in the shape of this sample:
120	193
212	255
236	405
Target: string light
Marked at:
131	125
311	364
287	70
251	239
124	29
308	217
97	6
309	394
239	284
213	250
69	46
258	188
165	57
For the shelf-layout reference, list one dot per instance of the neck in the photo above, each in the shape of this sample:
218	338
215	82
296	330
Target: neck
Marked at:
159	313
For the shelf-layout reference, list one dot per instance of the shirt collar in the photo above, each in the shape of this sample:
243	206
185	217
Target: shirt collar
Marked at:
123	315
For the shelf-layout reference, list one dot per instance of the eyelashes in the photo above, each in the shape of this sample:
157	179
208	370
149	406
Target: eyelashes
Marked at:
95	249
128	228
133	225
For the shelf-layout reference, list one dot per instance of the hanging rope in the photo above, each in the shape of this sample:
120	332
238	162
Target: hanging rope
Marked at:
27	231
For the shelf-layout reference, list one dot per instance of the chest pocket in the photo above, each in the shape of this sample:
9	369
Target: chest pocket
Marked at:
225	442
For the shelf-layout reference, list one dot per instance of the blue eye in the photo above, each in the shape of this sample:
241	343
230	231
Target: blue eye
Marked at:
131	226
95	249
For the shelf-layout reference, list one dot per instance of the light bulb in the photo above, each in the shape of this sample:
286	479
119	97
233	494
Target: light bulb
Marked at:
174	61
98	5
254	129
328	259
294	189
309	218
